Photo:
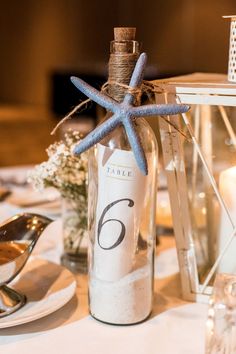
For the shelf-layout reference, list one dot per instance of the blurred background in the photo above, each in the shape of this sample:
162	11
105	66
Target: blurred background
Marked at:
43	42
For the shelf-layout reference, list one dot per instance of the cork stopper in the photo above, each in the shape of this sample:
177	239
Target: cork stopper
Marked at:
124	34
124	51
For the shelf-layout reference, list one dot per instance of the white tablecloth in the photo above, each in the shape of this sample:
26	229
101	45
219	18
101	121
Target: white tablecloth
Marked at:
177	331
175	327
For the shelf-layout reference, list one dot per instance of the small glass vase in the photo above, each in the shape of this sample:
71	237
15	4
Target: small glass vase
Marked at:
221	321
74	227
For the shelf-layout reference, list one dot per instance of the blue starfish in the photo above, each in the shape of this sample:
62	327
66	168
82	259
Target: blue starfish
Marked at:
124	114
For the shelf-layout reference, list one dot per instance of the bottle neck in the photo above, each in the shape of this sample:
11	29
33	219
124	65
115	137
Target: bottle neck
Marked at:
123	57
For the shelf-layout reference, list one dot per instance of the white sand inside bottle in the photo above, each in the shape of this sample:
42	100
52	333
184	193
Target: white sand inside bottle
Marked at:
126	301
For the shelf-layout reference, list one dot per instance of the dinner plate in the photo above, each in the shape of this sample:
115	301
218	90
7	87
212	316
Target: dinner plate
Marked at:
28	197
47	286
47	202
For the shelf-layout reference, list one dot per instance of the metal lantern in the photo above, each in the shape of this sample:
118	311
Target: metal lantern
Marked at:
232	49
199	155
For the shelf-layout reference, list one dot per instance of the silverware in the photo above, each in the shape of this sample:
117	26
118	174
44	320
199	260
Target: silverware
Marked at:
18	236
4	193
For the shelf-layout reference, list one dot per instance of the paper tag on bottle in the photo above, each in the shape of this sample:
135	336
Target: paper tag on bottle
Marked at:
121	198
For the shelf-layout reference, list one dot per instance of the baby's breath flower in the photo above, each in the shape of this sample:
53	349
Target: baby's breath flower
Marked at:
63	170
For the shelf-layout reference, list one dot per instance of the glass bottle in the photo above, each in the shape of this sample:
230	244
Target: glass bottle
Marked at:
121	217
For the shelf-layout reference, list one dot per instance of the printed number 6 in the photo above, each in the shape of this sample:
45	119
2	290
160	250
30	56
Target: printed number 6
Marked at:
101	223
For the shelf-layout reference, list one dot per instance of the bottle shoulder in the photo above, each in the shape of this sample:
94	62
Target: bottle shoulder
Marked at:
118	138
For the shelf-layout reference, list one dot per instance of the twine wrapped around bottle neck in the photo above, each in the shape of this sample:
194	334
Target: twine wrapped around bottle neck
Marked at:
123	89
120	69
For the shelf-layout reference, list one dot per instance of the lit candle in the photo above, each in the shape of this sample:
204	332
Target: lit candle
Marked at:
227	188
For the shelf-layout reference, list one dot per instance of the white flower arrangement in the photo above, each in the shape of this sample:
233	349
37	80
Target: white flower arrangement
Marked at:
68	174
63	170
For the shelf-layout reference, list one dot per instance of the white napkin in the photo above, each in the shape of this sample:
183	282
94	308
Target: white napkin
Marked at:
50	243
50	237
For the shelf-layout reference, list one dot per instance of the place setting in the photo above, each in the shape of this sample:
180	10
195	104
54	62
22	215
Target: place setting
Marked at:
16	190
38	287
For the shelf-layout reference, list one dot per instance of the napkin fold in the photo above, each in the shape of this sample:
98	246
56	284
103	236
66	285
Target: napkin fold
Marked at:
51	237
